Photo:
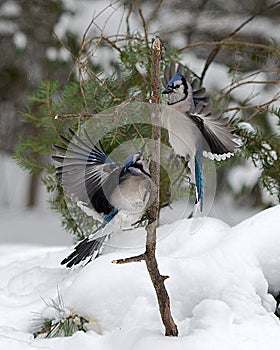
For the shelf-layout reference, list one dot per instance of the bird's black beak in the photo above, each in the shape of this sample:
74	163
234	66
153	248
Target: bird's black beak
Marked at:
167	90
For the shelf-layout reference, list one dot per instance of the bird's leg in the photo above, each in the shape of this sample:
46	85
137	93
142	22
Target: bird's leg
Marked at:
106	221
142	219
174	159
166	200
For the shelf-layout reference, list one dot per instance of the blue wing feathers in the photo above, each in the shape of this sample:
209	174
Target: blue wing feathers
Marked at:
90	177
81	172
87	153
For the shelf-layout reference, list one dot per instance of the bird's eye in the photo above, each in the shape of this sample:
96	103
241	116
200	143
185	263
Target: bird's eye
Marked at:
177	86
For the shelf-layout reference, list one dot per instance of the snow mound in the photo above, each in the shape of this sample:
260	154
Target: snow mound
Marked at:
221	283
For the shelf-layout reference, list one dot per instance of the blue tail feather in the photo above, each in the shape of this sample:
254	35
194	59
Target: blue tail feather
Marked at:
89	247
199	178
107	219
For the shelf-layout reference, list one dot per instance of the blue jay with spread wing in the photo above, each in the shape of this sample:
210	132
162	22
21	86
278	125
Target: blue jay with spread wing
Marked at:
194	131
118	192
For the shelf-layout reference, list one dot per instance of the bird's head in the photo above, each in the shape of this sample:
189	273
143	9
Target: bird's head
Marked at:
176	88
137	164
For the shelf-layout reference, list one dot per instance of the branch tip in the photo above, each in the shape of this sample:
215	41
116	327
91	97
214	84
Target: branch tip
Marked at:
136	258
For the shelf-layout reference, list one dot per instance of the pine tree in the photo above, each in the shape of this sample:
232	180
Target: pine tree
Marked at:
93	91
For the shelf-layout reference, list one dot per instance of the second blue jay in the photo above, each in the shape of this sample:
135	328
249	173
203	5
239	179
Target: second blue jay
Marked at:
193	129
117	191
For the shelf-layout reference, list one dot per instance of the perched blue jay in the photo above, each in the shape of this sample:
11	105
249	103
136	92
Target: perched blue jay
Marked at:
119	192
193	130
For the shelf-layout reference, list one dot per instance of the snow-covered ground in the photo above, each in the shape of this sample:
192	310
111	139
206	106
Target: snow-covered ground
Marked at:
221	277
220	282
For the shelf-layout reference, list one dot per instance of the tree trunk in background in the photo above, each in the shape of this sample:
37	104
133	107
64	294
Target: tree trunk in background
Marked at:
32	194
26	33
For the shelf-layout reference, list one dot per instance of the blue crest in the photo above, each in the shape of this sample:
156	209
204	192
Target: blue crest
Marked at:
176	77
129	161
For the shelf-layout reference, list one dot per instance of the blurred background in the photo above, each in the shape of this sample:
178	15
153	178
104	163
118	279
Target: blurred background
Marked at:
40	39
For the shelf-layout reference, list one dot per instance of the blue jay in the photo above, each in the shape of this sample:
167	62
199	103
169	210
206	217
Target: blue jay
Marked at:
193	129
119	192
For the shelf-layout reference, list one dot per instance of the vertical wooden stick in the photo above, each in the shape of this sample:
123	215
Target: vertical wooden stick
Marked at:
150	259
150	254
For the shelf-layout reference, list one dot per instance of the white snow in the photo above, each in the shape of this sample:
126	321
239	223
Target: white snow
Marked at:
10	8
20	40
245	175
220	282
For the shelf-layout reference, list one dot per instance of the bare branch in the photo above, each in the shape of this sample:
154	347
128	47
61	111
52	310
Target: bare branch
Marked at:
144	24
136	258
154	12
233	43
260	108
247	82
112	115
84	115
217	49
127	18
251	18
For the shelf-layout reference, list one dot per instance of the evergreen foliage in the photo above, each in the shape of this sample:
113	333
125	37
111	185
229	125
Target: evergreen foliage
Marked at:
59	321
264	151
95	92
